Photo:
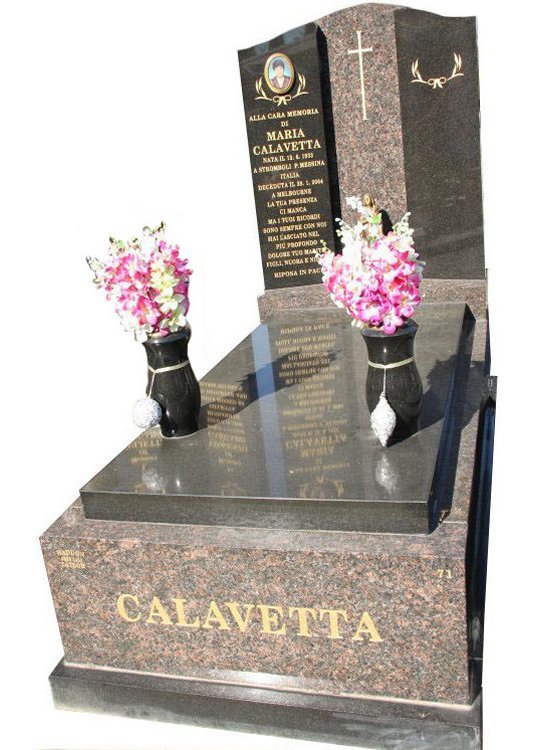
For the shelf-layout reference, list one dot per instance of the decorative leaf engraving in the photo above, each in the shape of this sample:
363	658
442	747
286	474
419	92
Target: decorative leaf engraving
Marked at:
281	99
437	83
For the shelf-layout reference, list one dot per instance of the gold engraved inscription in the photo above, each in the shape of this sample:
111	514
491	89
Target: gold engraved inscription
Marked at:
289	169
445	573
240	617
360	52
437	83
71	558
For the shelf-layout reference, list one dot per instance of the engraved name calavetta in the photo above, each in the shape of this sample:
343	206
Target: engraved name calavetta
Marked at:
267	619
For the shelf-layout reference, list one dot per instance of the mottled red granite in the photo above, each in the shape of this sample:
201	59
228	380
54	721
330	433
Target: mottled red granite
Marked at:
369	152
471	291
420	616
413	587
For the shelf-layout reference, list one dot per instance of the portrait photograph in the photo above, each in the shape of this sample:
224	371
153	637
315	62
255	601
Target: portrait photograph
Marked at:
271	436
279	73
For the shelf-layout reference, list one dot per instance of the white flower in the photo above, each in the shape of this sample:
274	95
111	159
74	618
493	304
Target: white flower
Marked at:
177	320
141	336
147	244
352	252
402	228
354	201
168	301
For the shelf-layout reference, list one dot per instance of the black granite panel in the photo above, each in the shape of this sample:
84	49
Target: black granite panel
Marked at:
441	140
285	439
477	544
290	135
387	725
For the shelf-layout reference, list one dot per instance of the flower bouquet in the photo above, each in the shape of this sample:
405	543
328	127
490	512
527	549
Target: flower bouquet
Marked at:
147	281
377	280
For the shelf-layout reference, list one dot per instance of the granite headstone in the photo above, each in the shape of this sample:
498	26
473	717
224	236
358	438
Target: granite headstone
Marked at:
399	102
292	154
278	571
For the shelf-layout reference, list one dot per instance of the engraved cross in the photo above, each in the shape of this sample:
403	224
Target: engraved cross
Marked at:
360	52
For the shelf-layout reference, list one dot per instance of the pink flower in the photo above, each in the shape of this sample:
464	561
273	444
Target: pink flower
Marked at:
148	283
378	283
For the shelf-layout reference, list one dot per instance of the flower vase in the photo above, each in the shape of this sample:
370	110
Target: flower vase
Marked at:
172	383
392	373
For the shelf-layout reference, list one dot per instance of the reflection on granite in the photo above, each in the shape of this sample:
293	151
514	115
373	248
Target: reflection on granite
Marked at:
285	438
463	485
381	724
412	585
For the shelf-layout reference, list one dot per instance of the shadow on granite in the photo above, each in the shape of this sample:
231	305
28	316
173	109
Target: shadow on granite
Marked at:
435	400
287	437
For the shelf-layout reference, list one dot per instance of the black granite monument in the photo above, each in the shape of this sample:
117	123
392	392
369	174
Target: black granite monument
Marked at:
382	99
292	151
279	571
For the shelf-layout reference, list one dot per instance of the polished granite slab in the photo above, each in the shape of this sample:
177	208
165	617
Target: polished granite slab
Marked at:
380	724
285	440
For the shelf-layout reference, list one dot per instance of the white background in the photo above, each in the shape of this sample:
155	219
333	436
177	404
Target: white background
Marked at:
117	114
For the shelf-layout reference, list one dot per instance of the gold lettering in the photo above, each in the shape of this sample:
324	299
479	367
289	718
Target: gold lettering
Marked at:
273	618
270	619
333	619
235	612
121	607
308	144
181	616
215	616
284	135
366	626
158	610
303	612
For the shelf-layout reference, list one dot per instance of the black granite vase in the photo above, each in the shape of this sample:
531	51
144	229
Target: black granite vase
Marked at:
173	385
403	383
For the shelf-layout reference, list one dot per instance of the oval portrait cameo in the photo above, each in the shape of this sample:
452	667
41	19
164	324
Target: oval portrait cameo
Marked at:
279	73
